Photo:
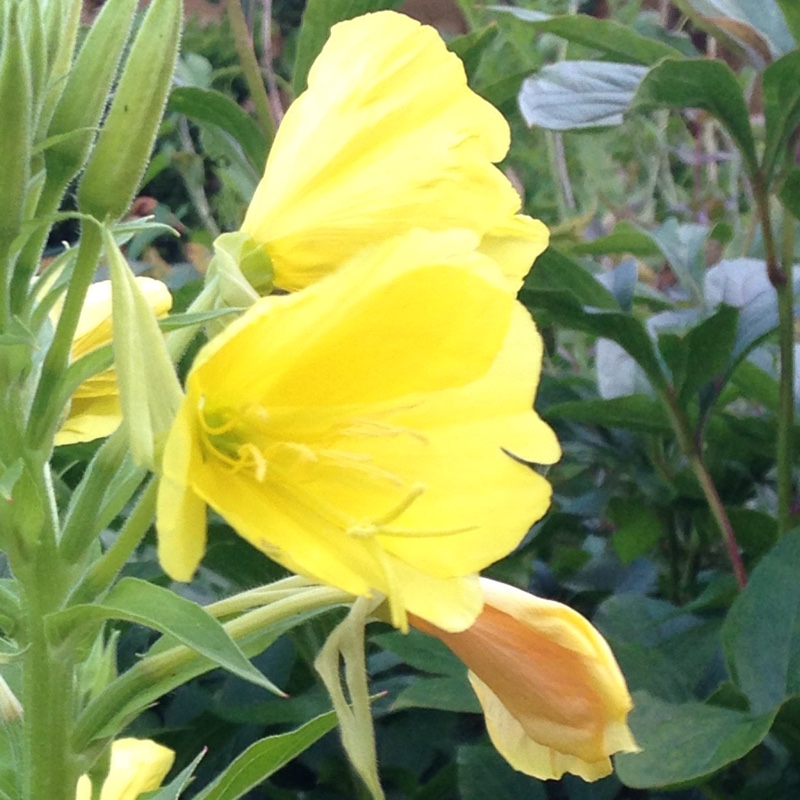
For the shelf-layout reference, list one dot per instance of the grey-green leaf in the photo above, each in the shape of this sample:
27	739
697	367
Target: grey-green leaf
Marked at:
571	95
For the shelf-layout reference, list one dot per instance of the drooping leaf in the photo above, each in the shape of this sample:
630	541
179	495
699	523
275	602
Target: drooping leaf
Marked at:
579	94
636	412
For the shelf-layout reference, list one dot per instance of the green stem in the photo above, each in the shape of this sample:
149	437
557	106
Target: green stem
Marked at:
691	449
44	417
785	455
252	72
48	681
133	690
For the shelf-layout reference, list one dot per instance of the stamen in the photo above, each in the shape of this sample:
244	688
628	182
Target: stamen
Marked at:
375	527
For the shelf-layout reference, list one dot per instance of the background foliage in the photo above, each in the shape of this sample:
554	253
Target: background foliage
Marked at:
659	142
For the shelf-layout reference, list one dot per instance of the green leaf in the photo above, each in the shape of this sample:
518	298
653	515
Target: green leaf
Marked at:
625	238
636	412
420	651
686	742
556	271
208	106
174	789
617	41
791	14
708	350
318	19
144	603
761	636
790	191
484	775
781	91
638	527
451	693
266	757
570	95
700	83
471	46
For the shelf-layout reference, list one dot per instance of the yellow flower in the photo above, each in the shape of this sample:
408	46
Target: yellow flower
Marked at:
554	698
388	137
137	766
358	432
95	409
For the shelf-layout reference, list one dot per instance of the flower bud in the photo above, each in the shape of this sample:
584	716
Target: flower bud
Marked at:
123	146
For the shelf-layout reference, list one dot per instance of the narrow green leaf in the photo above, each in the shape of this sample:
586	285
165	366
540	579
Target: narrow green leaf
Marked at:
210	107
145	603
174	789
625	238
781	91
615	40
265	757
318	19
570	95
700	83
686	742
761	636
471	46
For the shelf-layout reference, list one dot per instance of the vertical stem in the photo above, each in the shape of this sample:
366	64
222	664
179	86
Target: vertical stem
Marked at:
691	448
785	456
269	68
252	72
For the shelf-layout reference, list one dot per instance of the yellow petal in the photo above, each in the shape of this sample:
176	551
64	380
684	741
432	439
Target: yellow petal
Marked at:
515	244
355	432
553	696
388	137
137	766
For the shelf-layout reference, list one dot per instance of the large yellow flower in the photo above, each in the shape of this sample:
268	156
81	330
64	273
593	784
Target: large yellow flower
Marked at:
358	432
554	698
95	409
388	137
137	766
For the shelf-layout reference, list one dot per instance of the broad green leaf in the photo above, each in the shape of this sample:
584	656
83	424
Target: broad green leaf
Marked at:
700	83
484	775
617	41
761	635
570	95
626	330
636	412
791	14
638	527
556	271
708	350
420	651
451	693
207	106
781	91
318	19
625	238
265	757
145	603
685	742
